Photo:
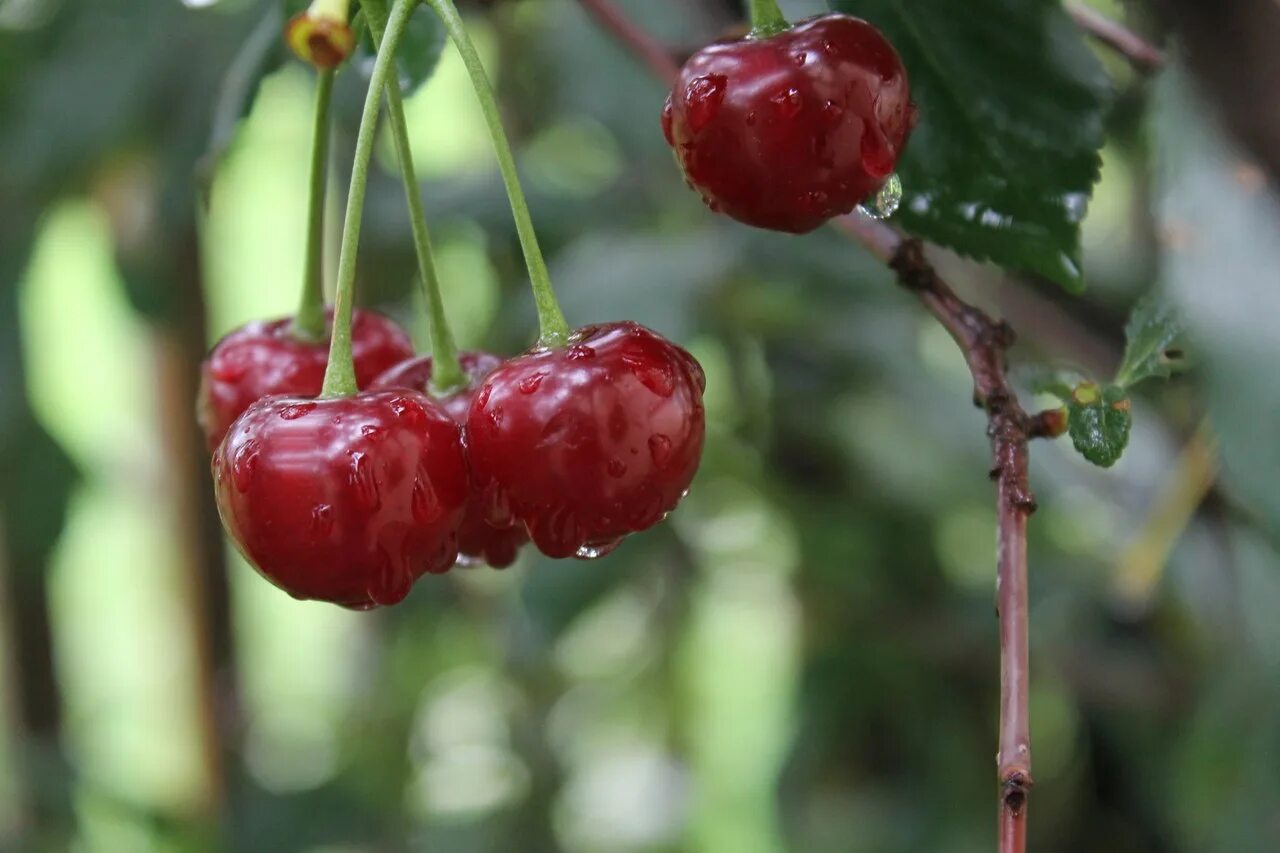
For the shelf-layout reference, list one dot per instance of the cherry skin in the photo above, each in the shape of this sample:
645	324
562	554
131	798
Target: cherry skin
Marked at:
590	442
788	131
346	500
265	357
478	540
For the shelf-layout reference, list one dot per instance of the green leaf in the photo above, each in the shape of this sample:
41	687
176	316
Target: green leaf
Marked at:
1099	422
420	49
1003	160
1153	328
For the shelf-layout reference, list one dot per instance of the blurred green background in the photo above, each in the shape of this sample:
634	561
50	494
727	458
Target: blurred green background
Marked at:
803	658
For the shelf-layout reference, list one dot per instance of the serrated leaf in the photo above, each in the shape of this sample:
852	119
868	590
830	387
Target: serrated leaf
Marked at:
1099	421
1005	155
420	49
1151	332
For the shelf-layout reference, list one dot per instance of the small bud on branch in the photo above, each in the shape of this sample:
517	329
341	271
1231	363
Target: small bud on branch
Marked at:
321	35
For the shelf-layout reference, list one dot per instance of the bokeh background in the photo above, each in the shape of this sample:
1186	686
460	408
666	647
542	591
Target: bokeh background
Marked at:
803	658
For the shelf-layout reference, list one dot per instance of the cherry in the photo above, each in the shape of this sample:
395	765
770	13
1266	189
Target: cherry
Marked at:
787	131
347	500
477	539
587	443
264	358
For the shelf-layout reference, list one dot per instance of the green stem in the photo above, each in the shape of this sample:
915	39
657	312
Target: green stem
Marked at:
309	323
336	9
766	18
446	372
340	377
554	329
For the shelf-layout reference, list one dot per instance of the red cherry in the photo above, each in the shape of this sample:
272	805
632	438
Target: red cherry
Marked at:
588	443
786	132
264	358
346	500
478	541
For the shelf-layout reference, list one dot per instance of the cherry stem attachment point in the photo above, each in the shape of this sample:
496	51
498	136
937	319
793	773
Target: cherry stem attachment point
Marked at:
446	372
320	35
766	18
554	329
340	376
309	323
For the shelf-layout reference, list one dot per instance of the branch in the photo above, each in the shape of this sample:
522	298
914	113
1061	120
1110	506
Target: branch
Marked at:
652	52
1141	53
984	343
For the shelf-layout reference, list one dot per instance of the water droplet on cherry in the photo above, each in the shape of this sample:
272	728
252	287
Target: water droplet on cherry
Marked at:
245	465
364	483
321	521
789	102
295	411
886	201
497	506
660	449
595	551
702	99
424	503
530	383
656	376
878	156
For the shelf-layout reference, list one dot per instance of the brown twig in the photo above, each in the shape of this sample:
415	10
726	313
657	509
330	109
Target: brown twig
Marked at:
984	342
1141	53
654	54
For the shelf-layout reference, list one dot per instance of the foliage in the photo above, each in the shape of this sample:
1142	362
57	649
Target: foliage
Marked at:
1099	423
802	658
1011	102
1152	330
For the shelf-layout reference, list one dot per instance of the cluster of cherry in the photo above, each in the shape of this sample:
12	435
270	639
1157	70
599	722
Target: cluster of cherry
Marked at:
349	492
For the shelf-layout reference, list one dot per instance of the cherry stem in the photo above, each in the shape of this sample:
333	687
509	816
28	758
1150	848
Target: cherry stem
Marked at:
309	323
340	376
337	9
554	329
446	372
766	18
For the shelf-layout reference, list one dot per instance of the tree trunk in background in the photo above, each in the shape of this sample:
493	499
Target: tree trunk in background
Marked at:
36	478
179	348
34	705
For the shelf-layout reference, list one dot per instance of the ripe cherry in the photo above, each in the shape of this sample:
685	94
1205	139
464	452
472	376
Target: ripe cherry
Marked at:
477	539
265	358
787	131
346	500
587	443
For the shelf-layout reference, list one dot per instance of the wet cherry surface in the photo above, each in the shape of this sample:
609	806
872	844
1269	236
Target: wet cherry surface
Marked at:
345	500
265	357
478	541
786	132
590	442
